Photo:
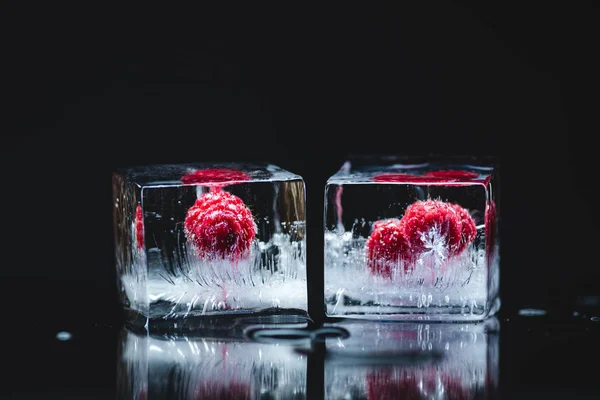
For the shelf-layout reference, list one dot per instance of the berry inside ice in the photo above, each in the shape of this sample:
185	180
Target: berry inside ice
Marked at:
427	227
220	225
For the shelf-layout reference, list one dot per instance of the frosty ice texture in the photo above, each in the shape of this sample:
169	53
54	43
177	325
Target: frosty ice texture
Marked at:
413	361
411	241
191	367
181	255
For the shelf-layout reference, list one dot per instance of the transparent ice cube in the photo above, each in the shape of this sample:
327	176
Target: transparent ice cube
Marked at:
204	367
410	360
195	240
411	239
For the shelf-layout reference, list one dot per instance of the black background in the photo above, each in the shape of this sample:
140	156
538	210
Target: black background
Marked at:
88	88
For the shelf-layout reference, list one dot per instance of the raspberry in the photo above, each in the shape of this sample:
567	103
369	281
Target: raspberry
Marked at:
430	223
139	226
219	225
469	229
385	246
218	176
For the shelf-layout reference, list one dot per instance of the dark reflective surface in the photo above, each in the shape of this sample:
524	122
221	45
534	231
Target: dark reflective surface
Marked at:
203	367
515	356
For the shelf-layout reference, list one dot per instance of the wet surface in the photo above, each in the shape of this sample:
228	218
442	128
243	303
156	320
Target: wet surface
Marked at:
549	353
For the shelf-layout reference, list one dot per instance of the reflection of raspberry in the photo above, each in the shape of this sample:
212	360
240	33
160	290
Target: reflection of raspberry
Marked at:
139	226
414	383
223	389
217	176
453	175
219	225
490	229
385	383
433	177
431	223
385	246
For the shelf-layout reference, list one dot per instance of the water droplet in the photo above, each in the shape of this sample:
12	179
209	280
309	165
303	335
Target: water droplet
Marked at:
64	336
532	312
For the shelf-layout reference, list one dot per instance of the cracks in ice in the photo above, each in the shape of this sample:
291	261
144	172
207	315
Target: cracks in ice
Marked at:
436	247
184	282
436	279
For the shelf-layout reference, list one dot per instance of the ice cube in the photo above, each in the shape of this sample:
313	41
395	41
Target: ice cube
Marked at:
408	240
207	367
196	240
413	360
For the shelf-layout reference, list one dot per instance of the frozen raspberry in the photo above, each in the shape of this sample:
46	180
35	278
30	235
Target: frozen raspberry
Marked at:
432	225
216	176
139	226
386	246
219	225
469	229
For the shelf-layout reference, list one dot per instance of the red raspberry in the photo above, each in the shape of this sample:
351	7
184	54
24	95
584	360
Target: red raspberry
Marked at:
139	226
386	246
426	223
218	176
469	229
219	225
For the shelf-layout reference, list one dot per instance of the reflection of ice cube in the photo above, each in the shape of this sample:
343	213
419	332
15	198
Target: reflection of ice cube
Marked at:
162	276
439	283
207	368
413	360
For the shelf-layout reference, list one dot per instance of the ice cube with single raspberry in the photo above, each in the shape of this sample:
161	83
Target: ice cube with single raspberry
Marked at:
206	239
407	238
